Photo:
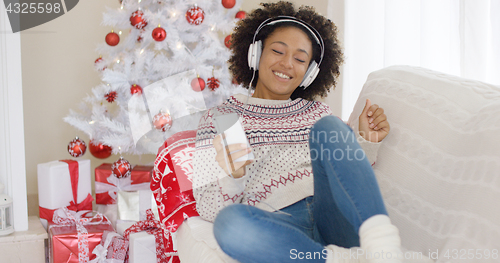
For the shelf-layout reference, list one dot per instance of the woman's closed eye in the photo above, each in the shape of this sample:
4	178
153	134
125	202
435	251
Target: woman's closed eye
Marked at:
300	60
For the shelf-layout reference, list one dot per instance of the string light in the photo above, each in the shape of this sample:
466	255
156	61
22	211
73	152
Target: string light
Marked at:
179	45
142	51
213	28
119	33
118	61
91	122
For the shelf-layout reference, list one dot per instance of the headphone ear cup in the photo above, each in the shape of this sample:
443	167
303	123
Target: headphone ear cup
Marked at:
251	55
254	52
311	74
258	52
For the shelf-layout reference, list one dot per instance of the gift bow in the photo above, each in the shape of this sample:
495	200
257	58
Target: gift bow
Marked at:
65	217
101	251
152	227
86	204
118	184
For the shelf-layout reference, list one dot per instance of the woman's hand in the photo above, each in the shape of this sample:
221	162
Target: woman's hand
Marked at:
373	124
236	169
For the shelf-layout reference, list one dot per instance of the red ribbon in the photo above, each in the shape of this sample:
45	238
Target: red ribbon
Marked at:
73	205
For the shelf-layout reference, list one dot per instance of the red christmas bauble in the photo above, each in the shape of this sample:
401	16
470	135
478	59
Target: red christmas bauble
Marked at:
121	168
227	41
162	121
198	84
137	20
135	89
228	3
112	39
159	34
77	147
99	150
241	15
195	15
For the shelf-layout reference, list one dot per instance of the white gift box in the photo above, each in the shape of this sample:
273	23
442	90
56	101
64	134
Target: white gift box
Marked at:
54	184
142	248
110	211
130	207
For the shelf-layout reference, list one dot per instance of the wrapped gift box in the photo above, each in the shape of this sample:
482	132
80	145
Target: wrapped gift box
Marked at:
142	248
113	248
145	240
132	206
64	183
64	237
107	185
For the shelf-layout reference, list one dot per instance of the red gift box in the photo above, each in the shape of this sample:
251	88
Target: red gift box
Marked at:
73	235
107	185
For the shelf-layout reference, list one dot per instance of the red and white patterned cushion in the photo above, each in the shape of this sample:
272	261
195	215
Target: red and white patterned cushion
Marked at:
171	183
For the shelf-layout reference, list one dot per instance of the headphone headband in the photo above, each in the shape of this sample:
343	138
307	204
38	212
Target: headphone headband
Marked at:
282	19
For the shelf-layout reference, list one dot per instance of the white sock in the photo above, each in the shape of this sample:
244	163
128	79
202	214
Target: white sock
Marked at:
344	255
380	240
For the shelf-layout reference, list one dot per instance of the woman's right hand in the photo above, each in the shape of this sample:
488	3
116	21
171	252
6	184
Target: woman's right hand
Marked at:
236	169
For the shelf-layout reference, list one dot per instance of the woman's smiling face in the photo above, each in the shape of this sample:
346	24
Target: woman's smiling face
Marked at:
284	61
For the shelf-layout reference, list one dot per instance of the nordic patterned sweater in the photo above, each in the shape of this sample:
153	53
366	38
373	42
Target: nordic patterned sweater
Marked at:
278	132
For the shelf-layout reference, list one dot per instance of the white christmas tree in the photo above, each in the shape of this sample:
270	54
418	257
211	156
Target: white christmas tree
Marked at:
163	64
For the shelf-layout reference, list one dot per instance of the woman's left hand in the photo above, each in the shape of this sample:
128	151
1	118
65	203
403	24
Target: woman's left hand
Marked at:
373	124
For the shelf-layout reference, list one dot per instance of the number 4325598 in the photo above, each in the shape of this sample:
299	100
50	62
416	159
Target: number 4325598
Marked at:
33	8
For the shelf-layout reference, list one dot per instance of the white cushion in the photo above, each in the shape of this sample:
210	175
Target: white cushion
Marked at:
439	169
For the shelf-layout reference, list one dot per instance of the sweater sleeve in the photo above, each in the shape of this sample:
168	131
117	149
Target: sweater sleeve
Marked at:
213	189
370	148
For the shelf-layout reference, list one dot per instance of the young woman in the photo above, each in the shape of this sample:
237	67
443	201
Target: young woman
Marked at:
310	191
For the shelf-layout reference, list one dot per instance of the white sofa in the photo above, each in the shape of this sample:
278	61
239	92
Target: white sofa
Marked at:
438	170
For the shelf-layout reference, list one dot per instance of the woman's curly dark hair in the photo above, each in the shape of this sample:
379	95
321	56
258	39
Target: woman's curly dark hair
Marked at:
243	37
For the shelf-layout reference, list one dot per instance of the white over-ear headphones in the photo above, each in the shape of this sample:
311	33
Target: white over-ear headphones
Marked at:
255	49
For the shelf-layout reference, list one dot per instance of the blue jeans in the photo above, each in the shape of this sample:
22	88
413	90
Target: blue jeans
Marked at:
346	193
